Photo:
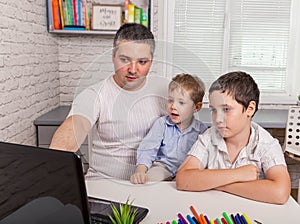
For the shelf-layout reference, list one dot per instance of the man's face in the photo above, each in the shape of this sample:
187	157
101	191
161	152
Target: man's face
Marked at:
132	62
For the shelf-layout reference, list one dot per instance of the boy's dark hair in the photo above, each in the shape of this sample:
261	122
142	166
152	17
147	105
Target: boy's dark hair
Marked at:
134	32
240	85
192	84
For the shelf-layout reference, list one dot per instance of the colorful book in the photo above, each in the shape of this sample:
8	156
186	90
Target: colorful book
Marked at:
61	13
126	2
131	13
88	7
78	12
56	16
138	15
70	12
49	7
74	12
88	11
82	12
65	13
145	17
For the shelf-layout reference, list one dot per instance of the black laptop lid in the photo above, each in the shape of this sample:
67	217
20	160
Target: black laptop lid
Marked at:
41	186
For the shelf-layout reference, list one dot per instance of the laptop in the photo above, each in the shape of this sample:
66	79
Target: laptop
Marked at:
44	186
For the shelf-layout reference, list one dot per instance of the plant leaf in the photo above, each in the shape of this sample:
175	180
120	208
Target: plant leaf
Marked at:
125	214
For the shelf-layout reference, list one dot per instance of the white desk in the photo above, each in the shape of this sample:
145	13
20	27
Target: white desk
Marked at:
165	202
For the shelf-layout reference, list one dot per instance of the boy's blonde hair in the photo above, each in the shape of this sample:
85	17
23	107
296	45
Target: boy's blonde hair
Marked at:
192	84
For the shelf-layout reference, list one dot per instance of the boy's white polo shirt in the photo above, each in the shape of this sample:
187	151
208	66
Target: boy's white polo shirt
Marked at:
263	150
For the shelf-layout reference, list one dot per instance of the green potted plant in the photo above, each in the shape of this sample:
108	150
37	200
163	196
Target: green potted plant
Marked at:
298	102
124	215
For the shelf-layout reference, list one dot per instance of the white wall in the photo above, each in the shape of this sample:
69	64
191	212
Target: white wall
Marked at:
29	78
40	71
77	54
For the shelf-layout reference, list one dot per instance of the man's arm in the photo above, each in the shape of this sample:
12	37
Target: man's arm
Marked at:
71	133
276	188
191	177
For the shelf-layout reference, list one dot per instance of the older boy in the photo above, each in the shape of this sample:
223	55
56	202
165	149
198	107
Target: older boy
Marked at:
165	147
236	155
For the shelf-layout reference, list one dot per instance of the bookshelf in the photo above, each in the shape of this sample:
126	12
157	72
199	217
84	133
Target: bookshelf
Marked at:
62	18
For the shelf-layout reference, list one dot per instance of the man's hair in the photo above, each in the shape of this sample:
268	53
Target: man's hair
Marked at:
240	85
134	32
192	84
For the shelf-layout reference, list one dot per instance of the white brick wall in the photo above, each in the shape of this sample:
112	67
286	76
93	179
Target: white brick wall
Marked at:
29	74
38	70
78	59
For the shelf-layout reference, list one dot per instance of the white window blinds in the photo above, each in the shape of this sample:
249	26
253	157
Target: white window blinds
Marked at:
259	34
216	36
199	28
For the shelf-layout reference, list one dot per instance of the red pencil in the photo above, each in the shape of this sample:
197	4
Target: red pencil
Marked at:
224	221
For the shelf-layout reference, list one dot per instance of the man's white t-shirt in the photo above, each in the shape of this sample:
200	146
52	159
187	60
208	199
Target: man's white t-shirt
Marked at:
122	118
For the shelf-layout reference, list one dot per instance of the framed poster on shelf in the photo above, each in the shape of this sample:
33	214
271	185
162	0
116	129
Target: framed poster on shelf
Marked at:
106	17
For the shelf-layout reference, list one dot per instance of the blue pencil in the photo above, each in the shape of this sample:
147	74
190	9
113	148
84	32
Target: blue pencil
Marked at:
190	219
244	220
180	221
237	219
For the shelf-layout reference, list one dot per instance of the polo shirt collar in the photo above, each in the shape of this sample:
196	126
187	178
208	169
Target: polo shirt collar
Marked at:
249	149
193	125
218	140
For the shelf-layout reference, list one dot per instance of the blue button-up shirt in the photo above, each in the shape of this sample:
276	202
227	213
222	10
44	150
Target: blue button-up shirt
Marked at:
165	143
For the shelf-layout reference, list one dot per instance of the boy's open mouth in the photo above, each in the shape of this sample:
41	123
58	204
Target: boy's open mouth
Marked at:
174	115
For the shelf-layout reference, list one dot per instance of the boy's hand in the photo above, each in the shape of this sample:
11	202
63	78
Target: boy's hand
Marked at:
139	178
248	172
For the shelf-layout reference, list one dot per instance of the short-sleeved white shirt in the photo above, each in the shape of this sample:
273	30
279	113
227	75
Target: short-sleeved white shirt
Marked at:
263	150
122	118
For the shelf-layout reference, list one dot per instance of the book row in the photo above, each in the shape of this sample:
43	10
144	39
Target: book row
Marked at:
78	14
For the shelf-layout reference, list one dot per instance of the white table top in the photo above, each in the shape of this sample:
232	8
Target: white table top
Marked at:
165	202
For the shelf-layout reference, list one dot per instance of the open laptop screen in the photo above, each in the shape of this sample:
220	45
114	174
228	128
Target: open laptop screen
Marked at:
41	184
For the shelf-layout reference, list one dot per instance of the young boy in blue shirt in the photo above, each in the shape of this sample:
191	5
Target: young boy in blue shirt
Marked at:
236	155
165	146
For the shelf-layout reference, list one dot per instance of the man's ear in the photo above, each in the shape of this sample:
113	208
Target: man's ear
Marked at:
251	108
198	107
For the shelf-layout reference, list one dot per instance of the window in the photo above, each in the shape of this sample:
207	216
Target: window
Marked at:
211	37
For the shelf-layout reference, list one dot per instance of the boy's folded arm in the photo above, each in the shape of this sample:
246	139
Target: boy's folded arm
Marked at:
274	189
191	177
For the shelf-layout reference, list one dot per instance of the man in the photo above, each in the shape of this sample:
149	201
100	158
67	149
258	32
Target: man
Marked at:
122	107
